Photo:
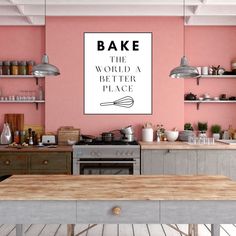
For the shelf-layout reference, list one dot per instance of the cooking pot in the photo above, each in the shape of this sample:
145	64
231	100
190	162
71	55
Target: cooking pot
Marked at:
127	130
190	96
128	137
107	136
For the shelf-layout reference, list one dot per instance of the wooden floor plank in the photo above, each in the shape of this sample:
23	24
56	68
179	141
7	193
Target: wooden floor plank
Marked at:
155	230
110	230
140	230
49	230
125	230
6	229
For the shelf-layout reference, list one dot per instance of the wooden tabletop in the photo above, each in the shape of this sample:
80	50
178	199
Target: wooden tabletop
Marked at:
62	187
185	146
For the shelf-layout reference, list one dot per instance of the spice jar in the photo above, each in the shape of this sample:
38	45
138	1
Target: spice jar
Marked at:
6	68
0	67
22	68
14	68
30	65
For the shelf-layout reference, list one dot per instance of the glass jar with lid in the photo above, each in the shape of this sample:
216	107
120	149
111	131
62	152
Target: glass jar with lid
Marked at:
6	70
22	68
30	65
14	68
0	67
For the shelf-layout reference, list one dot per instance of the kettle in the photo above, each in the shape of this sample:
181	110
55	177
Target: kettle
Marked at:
190	96
6	137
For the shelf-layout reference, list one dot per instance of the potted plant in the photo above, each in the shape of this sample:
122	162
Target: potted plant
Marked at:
216	129
202	128
186	133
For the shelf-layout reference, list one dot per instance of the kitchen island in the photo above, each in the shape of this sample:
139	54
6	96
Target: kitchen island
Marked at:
48	199
179	158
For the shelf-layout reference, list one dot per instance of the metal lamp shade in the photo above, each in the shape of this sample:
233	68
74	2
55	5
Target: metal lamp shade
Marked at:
184	70
45	69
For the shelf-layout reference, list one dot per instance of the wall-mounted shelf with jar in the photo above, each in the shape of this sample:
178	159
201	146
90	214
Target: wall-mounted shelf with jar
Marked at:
36	102
21	77
198	102
214	77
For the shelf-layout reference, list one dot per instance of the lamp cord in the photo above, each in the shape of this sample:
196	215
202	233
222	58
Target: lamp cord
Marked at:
184	15
45	29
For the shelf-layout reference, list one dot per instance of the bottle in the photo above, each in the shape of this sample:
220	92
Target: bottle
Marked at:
14	68
17	137
6	136
22	136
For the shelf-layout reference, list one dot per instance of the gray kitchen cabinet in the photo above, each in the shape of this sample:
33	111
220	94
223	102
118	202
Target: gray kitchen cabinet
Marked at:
217	162
189	162
169	162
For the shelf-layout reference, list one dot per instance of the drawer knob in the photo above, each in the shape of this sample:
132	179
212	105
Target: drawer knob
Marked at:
45	162
7	162
116	211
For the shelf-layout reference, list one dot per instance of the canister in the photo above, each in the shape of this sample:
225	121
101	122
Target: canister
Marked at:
147	134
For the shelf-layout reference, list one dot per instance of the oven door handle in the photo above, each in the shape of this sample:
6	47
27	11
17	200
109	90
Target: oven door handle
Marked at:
106	162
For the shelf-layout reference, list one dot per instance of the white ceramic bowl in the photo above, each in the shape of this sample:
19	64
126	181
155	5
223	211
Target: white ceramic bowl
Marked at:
71	142
171	135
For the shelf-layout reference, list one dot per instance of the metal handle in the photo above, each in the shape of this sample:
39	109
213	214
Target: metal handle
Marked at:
116	211
45	162
106	162
7	162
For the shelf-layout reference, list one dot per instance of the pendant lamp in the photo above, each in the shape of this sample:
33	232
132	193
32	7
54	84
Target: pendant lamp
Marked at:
45	69
184	70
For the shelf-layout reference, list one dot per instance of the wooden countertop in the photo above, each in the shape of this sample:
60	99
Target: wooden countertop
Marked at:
185	146
5	148
65	187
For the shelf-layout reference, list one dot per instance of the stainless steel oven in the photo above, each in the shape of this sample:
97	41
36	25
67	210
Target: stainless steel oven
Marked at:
106	160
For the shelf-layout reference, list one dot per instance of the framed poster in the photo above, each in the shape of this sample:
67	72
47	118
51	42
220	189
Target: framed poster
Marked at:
118	73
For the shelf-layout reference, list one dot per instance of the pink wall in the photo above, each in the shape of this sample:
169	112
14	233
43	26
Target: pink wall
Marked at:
207	46
21	43
65	94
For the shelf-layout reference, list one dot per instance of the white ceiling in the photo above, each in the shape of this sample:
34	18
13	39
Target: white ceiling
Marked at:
198	12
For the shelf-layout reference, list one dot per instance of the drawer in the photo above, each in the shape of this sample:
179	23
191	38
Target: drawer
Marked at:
118	212
11	161
49	161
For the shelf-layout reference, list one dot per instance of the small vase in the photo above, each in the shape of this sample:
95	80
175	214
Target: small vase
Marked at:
216	136
202	134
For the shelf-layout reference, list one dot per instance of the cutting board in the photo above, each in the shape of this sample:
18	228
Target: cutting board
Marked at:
15	121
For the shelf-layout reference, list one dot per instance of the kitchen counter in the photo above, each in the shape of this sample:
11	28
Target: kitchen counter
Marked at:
51	199
6	148
184	146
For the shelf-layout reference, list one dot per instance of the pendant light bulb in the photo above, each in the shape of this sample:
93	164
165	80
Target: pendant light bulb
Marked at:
184	70
45	69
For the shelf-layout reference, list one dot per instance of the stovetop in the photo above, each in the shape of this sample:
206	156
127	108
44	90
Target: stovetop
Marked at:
114	142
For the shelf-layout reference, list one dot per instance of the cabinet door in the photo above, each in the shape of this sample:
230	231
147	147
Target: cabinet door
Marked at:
169	162
180	162
50	163
13	163
152	162
217	162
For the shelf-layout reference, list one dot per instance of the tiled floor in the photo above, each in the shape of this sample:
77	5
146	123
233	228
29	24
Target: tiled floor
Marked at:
113	230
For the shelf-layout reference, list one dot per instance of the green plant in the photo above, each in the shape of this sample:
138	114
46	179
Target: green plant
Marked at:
202	126
188	126
215	129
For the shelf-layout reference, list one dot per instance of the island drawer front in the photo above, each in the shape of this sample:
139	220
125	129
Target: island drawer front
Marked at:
198	212
37	212
130	212
49	161
12	161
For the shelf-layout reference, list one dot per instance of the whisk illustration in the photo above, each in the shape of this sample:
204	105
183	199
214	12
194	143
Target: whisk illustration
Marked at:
126	102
